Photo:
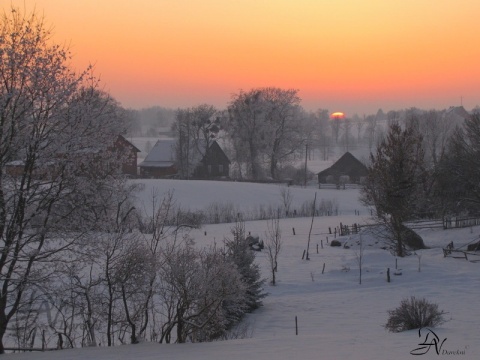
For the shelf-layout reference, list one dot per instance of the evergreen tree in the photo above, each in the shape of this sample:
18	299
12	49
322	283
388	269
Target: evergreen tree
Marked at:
457	187
239	253
395	182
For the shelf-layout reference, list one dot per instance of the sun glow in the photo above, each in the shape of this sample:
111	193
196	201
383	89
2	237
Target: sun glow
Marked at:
337	115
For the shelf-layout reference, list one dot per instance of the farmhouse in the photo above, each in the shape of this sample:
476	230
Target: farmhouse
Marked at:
161	162
129	155
124	150
347	169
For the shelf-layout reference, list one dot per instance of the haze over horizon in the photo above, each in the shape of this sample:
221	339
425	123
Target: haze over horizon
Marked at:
354	56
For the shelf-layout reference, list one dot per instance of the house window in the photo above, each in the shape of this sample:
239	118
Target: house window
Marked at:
220	169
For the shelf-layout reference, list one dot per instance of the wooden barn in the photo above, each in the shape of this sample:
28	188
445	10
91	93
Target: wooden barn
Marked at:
160	161
347	170
215	164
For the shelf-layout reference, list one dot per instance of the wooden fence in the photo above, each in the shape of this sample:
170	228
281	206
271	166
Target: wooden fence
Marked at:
460	222
450	251
339	186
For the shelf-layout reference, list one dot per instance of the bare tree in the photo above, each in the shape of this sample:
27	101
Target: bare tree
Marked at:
436	129
195	285
359	258
245	125
347	129
371	130
287	199
336	124
195	130
273	245
266	123
359	124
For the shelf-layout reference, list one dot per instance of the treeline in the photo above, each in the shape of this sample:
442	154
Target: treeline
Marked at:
426	167
268	135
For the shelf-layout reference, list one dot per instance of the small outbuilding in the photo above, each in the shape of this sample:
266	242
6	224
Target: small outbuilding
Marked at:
347	170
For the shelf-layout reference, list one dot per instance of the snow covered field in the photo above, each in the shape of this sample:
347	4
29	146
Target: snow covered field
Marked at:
337	317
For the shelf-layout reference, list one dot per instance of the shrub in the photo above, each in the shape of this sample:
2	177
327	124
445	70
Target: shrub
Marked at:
414	314
335	243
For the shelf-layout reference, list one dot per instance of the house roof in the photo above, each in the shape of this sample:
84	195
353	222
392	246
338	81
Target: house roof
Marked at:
215	148
122	139
346	165
161	155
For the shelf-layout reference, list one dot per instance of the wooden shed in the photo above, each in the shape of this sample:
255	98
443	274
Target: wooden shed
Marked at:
347	169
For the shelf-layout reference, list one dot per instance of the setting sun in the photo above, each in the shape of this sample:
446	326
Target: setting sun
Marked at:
337	115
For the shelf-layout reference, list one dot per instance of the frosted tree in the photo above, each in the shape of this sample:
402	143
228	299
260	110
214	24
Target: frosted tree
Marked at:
194	287
273	245
286	131
195	130
245	125
321	133
371	130
57	132
347	126
266	123
239	253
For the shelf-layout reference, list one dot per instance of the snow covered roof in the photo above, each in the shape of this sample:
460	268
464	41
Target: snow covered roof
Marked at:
161	155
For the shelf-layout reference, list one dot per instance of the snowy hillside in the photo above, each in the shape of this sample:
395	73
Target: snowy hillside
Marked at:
337	317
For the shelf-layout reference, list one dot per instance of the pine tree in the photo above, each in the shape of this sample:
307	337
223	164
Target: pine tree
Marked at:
395	182
239	253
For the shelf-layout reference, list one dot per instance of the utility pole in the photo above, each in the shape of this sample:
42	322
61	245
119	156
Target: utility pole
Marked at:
306	156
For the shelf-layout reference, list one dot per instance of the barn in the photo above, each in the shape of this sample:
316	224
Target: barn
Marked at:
129	153
160	161
214	164
348	169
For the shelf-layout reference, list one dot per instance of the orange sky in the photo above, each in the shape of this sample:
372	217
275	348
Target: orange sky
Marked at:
342	55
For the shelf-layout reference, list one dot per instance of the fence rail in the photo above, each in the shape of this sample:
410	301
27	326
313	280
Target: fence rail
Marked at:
339	186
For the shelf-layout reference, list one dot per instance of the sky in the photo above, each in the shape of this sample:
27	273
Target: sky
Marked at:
354	56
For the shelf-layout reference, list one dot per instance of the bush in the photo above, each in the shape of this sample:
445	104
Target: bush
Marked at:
412	239
335	243
414	314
